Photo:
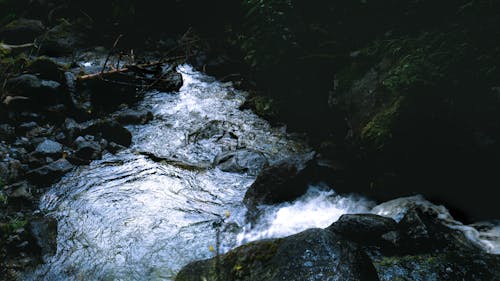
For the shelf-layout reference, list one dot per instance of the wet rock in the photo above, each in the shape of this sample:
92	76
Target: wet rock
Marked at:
7	132
56	113
87	148
314	254
44	230
110	130
50	173
438	266
131	116
71	128
363	228
10	169
60	40
425	227
43	92
105	95
172	82
21	31
21	196
113	147
39	134
263	106
49	148
26	127
241	161
423	230
47	69
280	183
215	129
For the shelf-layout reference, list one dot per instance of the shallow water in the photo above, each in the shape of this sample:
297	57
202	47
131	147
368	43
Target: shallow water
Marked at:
126	217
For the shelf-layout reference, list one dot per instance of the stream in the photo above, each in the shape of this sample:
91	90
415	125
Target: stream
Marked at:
128	217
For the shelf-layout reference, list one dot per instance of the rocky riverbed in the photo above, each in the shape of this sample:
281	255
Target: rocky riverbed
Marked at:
51	122
160	172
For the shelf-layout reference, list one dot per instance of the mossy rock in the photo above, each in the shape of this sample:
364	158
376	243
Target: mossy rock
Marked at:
263	106
378	131
435	267
46	68
314	254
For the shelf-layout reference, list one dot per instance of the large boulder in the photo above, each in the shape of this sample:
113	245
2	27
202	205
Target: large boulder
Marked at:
424	227
39	91
21	31
314	254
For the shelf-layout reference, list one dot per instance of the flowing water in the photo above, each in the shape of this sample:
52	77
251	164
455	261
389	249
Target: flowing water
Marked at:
127	217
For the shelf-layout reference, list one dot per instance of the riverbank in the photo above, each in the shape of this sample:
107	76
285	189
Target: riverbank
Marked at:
52	121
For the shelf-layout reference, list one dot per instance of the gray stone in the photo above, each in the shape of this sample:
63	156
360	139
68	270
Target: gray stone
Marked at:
42	92
50	173
87	149
239	161
49	148
131	116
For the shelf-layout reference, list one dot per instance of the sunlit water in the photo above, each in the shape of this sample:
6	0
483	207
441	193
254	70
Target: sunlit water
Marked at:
126	217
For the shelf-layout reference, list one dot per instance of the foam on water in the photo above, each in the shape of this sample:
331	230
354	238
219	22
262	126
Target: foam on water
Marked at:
317	208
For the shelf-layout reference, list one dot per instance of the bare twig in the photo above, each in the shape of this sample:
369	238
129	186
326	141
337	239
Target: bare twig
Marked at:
111	51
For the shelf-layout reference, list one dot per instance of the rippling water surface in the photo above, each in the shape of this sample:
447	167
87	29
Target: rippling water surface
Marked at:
127	217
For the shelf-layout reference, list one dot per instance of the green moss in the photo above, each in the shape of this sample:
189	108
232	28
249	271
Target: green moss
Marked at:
420	259
263	106
13	224
379	130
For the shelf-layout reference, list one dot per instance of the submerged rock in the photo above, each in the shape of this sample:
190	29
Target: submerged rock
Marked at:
314	254
240	161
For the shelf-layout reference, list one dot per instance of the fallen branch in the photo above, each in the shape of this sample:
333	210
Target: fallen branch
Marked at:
135	68
9	47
